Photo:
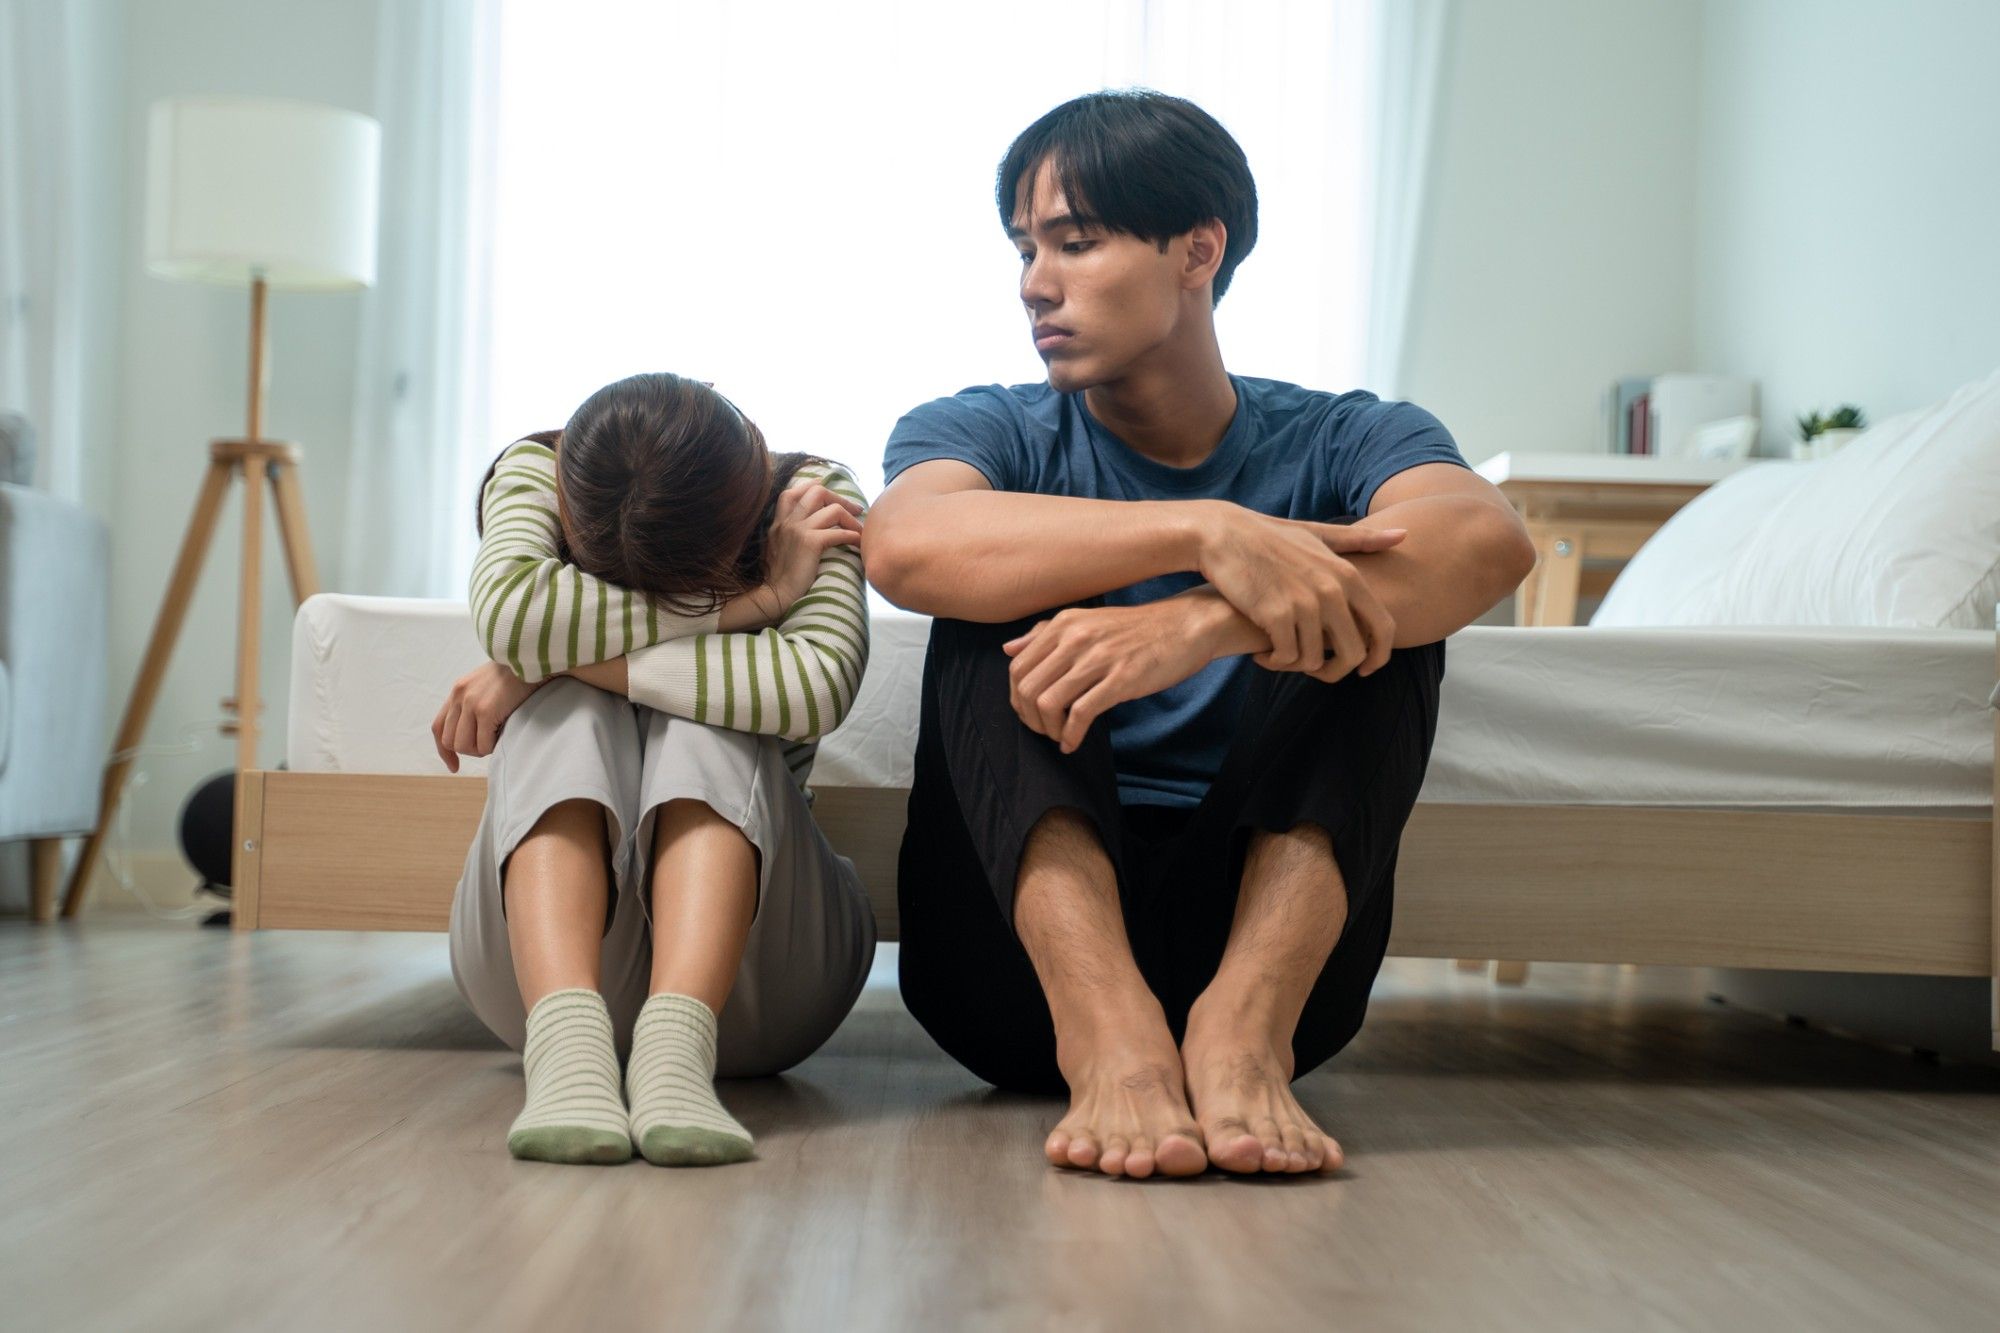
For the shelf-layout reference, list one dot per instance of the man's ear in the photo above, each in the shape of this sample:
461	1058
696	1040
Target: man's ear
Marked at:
1207	242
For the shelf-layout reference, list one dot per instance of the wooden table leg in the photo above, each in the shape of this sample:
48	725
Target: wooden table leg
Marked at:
1559	573
1528	595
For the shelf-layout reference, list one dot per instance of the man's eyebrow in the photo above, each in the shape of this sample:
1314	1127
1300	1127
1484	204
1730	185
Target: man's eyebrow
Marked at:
1056	223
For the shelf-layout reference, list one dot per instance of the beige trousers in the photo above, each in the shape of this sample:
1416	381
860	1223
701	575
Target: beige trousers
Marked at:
812	938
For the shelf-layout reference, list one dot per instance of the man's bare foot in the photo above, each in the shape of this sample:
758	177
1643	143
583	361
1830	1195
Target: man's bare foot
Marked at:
1239	1083
1128	1109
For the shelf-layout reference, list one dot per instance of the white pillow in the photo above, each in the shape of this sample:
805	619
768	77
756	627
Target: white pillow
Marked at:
1901	527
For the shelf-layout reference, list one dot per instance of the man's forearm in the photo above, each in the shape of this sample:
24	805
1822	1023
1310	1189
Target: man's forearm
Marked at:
1461	557
994	556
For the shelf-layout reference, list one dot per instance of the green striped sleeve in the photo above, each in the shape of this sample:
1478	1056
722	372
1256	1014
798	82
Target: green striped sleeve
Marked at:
520	590
799	682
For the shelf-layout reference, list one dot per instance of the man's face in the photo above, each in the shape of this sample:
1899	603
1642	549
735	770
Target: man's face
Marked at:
1100	300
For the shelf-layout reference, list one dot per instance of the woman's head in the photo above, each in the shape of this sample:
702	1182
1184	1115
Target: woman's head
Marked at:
664	487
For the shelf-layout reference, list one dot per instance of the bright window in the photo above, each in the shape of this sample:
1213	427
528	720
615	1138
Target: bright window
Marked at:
796	201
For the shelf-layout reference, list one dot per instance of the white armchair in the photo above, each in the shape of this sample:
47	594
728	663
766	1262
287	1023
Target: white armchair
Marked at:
54	640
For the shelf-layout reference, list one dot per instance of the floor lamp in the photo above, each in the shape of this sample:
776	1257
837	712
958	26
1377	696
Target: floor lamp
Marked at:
263	193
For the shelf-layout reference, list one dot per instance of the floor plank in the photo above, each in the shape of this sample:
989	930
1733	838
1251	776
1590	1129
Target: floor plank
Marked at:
305	1130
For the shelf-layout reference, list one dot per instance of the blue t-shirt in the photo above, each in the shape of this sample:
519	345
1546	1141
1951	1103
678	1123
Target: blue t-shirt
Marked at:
1289	452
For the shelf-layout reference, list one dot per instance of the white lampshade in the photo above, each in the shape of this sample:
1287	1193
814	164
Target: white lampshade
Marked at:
239	185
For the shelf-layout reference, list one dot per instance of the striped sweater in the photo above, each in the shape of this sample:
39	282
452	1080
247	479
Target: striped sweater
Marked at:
538	615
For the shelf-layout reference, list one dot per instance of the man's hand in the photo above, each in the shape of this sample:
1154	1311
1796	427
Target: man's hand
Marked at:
1070	668
1288	576
477	708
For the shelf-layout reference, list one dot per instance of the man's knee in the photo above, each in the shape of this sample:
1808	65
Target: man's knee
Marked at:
980	641
1013	1050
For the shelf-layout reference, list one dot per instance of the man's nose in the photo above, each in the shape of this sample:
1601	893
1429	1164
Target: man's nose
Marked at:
1038	288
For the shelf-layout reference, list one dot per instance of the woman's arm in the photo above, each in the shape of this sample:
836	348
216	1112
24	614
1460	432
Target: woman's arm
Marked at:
795	679
745	611
537	614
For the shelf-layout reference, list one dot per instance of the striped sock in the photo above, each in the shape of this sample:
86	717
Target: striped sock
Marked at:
676	1118
574	1112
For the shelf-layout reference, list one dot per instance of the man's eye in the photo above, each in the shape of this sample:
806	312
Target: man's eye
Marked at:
1078	247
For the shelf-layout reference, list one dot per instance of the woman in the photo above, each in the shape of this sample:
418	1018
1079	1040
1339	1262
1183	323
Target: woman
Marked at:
675	617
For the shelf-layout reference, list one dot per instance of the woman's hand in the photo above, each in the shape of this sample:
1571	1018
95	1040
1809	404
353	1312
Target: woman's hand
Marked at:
477	708
808	521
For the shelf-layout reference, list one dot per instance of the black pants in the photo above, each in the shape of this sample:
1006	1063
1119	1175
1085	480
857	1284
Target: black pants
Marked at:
1348	756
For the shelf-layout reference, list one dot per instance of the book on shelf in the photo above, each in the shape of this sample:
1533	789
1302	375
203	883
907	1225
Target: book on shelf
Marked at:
1622	394
1658	415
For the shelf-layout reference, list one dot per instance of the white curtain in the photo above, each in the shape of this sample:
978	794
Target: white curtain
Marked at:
42	233
421	381
1406	56
1288	78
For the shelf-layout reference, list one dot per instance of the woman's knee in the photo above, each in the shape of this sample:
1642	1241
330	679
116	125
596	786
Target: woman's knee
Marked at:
716	771
573	729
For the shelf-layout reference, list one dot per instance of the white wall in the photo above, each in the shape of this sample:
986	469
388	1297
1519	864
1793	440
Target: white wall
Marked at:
1849	240
1558	242
183	381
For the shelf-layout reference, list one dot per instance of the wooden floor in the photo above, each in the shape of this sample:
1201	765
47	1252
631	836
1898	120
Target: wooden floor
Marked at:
300	1131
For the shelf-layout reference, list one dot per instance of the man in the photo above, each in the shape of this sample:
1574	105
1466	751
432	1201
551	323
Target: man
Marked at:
1176	707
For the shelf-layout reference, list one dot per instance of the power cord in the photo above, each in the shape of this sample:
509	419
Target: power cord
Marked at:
193	736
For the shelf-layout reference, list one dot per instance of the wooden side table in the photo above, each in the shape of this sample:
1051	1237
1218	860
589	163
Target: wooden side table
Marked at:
1582	507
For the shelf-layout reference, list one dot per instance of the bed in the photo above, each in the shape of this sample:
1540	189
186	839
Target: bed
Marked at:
1799	798
1771	749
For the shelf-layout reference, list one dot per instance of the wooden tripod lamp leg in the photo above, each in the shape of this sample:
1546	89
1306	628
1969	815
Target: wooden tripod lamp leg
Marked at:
249	603
290	495
152	670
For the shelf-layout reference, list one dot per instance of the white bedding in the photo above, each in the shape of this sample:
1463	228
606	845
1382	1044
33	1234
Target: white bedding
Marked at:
1893	719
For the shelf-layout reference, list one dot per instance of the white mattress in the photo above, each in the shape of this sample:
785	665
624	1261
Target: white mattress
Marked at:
1808	718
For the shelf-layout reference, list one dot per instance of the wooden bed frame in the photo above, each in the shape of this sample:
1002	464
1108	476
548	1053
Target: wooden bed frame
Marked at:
1909	894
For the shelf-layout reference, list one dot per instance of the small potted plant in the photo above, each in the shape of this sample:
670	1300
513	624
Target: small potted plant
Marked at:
1822	435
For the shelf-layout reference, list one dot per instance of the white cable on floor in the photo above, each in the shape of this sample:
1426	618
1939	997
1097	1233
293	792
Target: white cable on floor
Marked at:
191	742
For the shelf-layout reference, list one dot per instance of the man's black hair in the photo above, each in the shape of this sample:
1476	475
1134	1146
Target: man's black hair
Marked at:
1140	162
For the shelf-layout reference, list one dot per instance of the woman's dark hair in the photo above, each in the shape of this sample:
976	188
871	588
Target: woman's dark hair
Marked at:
664	487
1141	162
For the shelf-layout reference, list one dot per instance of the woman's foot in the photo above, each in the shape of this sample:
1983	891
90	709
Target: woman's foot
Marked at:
676	1119
573	1111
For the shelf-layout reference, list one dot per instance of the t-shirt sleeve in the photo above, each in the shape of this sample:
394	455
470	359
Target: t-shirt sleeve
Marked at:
1392	437
980	426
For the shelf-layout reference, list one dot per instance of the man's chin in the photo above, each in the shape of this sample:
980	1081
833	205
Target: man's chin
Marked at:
1068	376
